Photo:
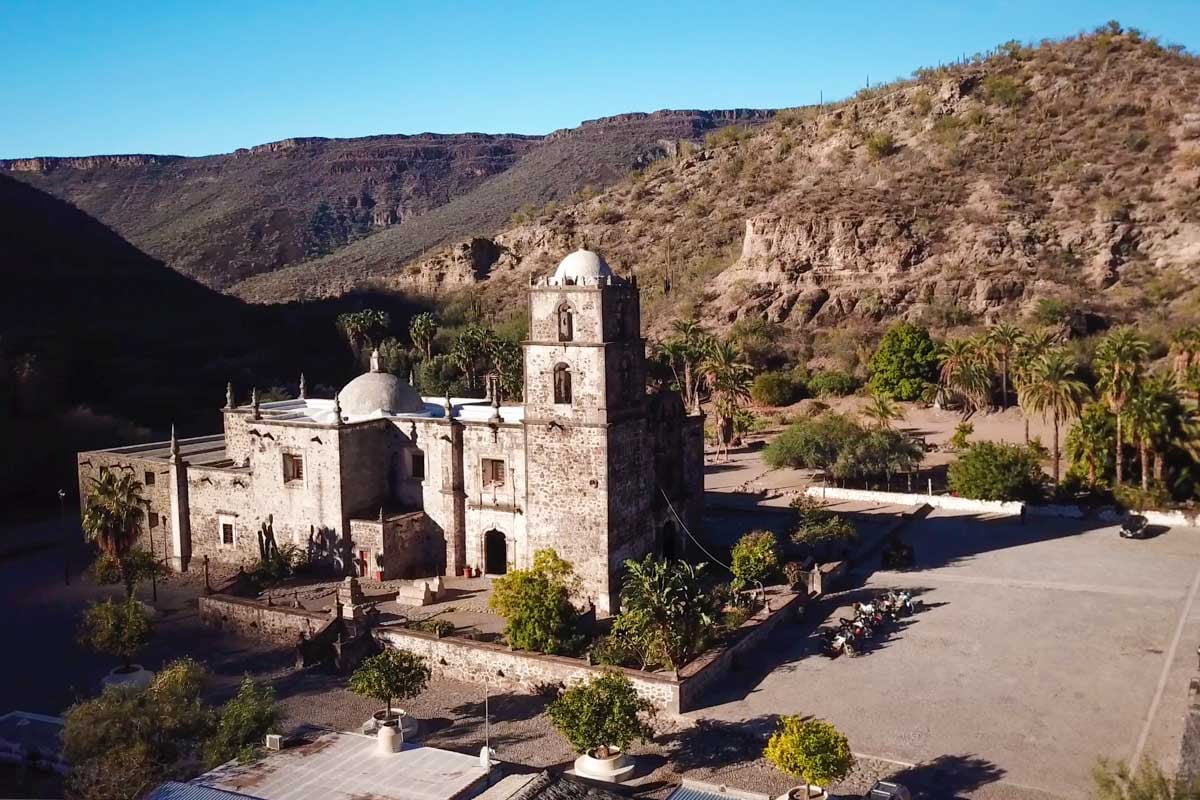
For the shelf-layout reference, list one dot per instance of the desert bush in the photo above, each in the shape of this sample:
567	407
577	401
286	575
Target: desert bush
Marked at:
813	443
880	144
774	389
820	529
962	434
922	102
242	724
755	558
832	383
1005	90
997	471
117	629
438	627
730	134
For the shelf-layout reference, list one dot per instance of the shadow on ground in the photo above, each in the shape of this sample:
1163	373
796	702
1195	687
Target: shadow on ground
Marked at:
948	777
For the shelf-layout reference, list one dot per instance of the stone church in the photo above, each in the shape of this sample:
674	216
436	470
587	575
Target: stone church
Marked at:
386	484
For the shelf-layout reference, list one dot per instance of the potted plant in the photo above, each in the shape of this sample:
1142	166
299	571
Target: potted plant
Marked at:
392	674
121	630
810	750
600	719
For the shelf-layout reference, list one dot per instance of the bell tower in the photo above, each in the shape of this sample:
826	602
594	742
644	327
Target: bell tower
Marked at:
589	461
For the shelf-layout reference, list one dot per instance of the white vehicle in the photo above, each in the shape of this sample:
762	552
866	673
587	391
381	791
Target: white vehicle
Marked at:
885	790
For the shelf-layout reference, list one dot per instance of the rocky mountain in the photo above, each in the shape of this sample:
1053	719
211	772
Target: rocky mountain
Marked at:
1066	172
223	218
226	218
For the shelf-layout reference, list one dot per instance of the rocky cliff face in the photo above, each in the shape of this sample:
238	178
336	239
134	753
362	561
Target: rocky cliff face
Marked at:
1070	171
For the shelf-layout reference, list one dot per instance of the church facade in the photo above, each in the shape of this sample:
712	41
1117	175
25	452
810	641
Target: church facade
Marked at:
386	484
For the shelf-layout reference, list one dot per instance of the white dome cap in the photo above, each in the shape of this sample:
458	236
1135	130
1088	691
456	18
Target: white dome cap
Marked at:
580	266
376	391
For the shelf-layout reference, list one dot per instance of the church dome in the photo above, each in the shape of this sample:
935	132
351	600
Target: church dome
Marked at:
581	265
377	391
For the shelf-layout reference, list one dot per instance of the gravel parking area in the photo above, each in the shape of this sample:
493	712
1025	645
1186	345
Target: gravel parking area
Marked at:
1041	647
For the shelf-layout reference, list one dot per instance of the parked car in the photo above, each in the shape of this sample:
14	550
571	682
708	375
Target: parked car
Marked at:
1135	527
886	790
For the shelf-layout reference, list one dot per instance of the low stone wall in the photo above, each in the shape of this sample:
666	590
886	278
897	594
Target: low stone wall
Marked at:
476	662
253	618
946	501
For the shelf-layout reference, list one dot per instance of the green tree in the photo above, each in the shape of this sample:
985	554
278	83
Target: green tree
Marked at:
1115	781
536	605
1147	414
117	629
135	566
964	375
1090	440
1031	347
905	361
242	724
816	527
832	383
469	352
125	742
1004	340
668	602
112	520
1052	388
602	714
1119	360
687	349
996	471
882	411
755	558
422	329
390	675
877	454
774	389
363	329
809	750
813	443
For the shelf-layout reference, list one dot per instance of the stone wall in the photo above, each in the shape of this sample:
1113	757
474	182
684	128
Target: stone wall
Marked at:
500	508
902	499
252	618
155	476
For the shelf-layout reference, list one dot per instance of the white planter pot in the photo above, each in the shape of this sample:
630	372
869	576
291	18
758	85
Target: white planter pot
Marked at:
136	678
616	768
404	723
805	793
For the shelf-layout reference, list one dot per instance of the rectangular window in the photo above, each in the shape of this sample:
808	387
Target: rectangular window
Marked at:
418	466
149	479
293	467
152	519
225	524
493	472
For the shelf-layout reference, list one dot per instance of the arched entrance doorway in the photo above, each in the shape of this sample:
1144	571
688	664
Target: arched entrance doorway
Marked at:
495	553
667	546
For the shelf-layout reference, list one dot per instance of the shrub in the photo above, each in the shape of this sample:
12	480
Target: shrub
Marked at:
666	609
392	674
922	102
438	627
536	605
820	529
606	712
813	443
1135	499
811	750
962	432
242	723
832	383
133	567
877	454
880	144
905	361
794	572
774	389
755	558
117	629
1005	90
996	471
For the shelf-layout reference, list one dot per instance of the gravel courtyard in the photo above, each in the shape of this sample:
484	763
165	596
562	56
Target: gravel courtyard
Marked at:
1041	647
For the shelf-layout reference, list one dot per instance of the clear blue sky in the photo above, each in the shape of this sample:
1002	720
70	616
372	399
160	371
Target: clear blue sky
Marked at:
208	77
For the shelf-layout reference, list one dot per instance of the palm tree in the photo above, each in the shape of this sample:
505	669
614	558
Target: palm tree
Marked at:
112	517
1004	340
690	343
1119	359
1089	442
963	375
987	363
1052	388
882	411
1032	347
1148	418
422	329
1185	344
728	379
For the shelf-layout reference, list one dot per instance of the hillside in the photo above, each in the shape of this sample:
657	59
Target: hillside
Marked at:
596	154
225	217
1067	171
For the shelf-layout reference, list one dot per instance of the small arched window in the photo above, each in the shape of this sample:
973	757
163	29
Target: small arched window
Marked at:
566	323
562	384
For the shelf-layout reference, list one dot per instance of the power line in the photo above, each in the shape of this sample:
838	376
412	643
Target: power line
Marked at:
675	514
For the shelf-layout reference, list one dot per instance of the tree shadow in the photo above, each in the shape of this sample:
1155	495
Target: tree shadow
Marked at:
715	744
948	777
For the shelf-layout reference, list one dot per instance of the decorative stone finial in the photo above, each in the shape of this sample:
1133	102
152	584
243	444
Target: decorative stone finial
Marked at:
337	410
303	387
381	513
254	402
174	444
449	405
375	361
412	378
229	394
